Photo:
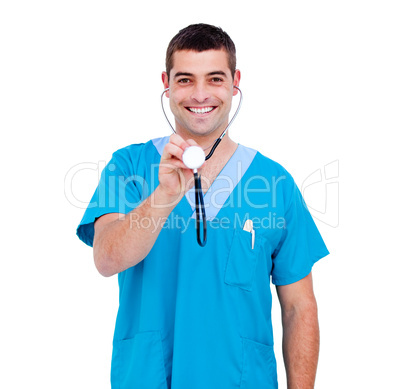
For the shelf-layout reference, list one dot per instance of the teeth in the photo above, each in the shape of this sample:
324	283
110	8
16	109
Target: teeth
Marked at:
201	110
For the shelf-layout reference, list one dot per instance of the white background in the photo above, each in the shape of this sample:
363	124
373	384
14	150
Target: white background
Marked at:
79	79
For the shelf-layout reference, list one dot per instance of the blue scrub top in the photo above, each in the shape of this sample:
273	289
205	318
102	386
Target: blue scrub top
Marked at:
200	317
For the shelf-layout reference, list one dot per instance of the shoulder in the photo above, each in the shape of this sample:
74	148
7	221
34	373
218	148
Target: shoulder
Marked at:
136	148
267	165
137	153
274	174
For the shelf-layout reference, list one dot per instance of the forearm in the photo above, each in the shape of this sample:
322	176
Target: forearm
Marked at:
125	242
301	346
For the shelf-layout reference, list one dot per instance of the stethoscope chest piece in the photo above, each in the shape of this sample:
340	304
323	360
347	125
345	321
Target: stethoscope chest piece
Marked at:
193	157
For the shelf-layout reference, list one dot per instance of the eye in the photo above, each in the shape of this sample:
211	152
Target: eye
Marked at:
184	81
217	79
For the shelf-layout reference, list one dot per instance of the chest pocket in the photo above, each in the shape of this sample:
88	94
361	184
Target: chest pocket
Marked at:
242	259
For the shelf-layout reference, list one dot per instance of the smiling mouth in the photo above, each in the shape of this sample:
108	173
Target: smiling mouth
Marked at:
201	110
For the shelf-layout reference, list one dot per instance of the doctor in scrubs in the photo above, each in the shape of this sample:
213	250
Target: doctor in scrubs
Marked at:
193	317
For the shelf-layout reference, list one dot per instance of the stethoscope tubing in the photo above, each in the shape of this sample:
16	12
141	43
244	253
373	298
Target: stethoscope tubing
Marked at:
199	205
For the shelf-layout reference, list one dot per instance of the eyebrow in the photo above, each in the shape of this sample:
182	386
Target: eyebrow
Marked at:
217	73
214	73
180	74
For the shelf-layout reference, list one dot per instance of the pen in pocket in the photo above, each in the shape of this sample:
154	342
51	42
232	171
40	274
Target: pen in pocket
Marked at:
248	226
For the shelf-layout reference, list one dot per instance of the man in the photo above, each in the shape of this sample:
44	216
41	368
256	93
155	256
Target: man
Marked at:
200	317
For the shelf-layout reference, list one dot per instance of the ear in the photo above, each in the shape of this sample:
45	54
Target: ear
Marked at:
165	81
236	81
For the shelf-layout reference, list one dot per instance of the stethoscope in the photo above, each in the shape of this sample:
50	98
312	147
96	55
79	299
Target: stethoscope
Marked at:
194	157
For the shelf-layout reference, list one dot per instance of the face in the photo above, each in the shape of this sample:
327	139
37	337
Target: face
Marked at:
201	88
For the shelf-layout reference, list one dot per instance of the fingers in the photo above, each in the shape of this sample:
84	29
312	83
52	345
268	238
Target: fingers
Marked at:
179	141
173	151
175	147
192	142
172	164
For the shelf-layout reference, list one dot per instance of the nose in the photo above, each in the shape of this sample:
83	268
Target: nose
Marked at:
200	92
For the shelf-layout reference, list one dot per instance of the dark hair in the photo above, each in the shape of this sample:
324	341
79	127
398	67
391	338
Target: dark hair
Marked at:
201	37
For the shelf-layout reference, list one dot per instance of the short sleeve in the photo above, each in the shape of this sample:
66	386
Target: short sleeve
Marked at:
301	244
118	191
